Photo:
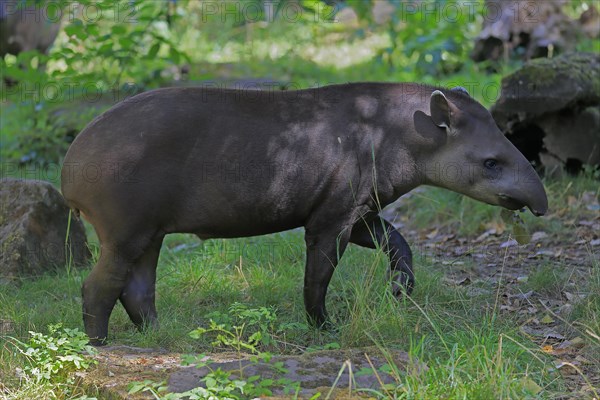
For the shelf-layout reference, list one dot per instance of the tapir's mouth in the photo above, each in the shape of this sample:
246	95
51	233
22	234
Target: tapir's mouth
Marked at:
511	203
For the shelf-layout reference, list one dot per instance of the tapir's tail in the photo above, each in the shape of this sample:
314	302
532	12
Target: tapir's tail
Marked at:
66	189
76	212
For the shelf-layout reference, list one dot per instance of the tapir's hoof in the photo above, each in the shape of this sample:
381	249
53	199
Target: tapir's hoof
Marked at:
327	326
400	290
148	325
322	323
98	342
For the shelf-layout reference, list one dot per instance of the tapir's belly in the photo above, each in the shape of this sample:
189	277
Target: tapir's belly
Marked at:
235	209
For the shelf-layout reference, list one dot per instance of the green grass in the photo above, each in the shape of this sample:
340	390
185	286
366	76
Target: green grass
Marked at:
441	327
472	350
548	279
585	316
442	320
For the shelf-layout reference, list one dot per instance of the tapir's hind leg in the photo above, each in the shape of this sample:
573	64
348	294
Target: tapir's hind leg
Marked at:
100	292
367	233
138	295
127	263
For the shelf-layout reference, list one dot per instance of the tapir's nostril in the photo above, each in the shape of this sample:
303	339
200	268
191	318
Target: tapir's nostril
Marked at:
539	211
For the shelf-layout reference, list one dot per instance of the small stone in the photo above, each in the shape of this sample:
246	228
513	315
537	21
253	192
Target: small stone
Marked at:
536	236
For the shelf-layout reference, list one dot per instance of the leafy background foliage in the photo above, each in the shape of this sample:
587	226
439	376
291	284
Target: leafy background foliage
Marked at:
107	51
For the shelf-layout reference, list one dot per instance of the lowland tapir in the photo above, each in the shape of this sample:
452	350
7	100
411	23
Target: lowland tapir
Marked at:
223	163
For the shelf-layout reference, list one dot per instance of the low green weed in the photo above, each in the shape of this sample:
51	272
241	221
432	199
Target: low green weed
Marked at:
49	363
53	357
244	330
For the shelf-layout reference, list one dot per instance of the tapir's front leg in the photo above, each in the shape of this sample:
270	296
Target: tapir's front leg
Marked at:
367	233
324	247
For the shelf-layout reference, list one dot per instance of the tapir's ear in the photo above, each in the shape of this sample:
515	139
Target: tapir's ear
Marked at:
440	110
443	112
461	90
427	129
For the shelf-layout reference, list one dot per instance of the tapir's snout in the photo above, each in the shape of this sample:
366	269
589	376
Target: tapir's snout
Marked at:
511	203
539	204
538	212
535	194
529	192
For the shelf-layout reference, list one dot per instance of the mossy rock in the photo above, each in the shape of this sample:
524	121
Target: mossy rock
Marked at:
547	85
315	371
549	110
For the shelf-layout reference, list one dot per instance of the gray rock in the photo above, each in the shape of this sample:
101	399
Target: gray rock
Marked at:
33	228
549	109
548	85
318	371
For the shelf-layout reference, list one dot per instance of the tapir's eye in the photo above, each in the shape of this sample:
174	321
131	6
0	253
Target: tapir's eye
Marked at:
490	163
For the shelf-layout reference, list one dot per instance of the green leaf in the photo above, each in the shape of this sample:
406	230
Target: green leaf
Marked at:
519	229
104	38
136	387
266	382
76	29
126	43
154	50
522	235
530	386
197	333
105	48
239	384
174	55
93	30
210	382
118	29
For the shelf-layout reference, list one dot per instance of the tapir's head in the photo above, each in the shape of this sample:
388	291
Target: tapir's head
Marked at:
473	157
